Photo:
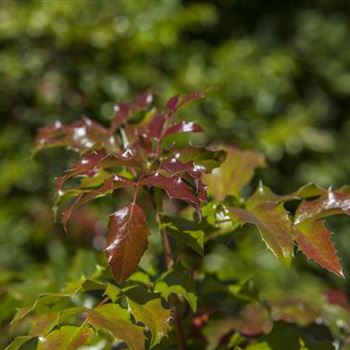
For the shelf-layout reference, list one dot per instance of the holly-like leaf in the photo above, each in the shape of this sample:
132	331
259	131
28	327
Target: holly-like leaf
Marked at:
42	324
313	239
125	110
205	159
175	167
235	173
126	241
272	221
178	282
153	315
329	203
110	184
182	127
116	320
175	187
81	136
66	338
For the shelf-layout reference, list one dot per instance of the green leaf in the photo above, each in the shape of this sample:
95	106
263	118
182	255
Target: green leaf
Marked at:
272	221
259	346
236	172
66	338
177	282
112	292
18	342
116	320
153	315
314	240
42	324
193	239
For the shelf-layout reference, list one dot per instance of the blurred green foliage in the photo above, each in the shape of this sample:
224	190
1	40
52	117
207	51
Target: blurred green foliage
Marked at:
280	73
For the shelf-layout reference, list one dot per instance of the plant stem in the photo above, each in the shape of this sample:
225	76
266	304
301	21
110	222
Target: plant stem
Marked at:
173	300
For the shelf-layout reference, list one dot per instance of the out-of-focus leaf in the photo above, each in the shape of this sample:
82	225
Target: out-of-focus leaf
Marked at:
66	338
18	342
126	241
117	321
42	324
112	292
236	172
259	346
314	240
178	282
153	315
272	221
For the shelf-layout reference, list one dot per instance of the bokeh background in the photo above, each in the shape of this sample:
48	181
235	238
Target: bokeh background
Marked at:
280	78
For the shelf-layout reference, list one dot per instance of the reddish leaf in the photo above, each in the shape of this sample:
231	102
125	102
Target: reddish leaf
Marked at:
175	187
175	167
236	172
124	110
337	297
313	239
82	135
330	203
155	127
173	102
272	221
126	240
93	162
183	127
112	183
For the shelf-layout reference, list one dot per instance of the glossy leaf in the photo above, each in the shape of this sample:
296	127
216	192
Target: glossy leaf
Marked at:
177	282
182	127
125	110
314	240
235	173
116	320
126	240
82	135
110	184
330	203
272	221
175	187
66	338
153	315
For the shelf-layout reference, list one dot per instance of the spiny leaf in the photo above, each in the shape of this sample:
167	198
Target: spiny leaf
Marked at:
329	203
66	338
182	127
153	315
314	240
204	158
175	187
236	172
124	110
42	324
272	221
126	240
110	184
178	282
117	321
82	135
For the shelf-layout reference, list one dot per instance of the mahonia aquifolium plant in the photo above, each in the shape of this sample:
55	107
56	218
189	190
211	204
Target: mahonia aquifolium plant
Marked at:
138	159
